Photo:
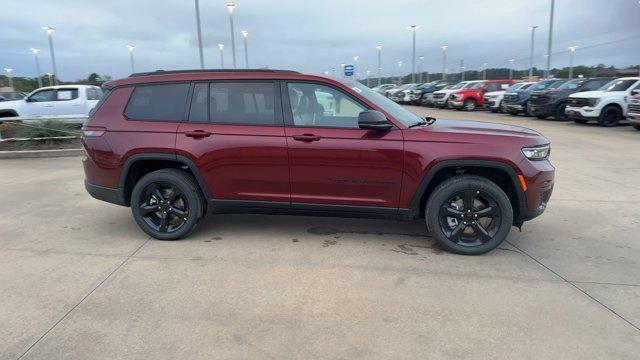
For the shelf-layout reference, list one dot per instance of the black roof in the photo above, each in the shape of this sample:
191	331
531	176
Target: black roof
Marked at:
167	72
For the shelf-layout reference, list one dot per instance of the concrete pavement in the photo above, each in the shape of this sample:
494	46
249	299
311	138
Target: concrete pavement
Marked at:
79	280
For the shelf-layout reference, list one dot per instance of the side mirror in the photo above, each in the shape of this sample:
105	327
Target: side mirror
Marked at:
27	99
373	120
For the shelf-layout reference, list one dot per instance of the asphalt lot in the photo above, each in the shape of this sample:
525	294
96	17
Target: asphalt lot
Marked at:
79	280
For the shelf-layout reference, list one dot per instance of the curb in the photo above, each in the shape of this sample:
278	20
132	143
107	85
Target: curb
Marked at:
24	154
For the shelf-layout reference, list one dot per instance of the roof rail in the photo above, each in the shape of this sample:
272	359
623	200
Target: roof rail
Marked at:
168	72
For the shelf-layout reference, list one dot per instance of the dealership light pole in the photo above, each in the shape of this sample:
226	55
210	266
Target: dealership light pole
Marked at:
572	52
379	47
355	67
413	29
511	61
444	61
9	71
399	72
231	7
462	70
199	35
484	71
50	77
50	32
221	49
35	56
245	35
549	42
368	73
420	68
133	65
533	36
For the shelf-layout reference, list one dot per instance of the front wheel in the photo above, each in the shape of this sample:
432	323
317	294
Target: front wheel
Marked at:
637	127
609	116
167	204
469	105
541	117
469	215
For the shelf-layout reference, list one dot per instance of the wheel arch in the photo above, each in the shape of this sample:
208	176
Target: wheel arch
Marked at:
8	113
138	165
498	172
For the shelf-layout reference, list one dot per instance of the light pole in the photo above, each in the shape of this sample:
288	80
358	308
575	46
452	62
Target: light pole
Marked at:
420	68
572	52
379	47
49	76
199	35
533	36
546	74
221	48
133	66
231	7
245	35
8	71
548	71
368	73
444	61
35	56
462	70
511	61
355	65
413	29
399	72
50	32
484	71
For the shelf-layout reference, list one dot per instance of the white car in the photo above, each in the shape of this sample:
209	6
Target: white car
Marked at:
607	106
493	100
441	97
67	103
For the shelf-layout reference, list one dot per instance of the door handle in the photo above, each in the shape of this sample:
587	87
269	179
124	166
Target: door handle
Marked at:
306	137
197	134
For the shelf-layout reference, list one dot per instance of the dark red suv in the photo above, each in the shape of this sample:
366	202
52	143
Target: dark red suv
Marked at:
176	145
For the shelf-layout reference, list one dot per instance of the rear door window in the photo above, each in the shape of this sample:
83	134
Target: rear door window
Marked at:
161	102
66	94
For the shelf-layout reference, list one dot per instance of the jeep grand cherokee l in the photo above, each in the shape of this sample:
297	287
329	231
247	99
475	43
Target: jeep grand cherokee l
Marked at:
177	145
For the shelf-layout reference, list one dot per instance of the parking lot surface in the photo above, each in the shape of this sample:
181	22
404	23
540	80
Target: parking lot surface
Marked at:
79	280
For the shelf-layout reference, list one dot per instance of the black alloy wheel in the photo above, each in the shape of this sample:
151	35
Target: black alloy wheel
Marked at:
469	215
469	105
167	204
609	116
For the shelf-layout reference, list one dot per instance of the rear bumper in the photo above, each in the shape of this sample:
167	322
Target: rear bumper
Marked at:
111	195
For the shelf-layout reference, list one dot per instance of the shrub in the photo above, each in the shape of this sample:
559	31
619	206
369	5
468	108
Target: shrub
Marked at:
47	128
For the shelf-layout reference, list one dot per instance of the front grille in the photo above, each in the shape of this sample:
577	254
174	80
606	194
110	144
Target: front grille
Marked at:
634	108
539	99
577	102
511	98
438	96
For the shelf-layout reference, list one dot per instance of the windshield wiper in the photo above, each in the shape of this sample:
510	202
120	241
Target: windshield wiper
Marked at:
426	122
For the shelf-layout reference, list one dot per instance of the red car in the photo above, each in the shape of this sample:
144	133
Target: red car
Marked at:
177	145
471	98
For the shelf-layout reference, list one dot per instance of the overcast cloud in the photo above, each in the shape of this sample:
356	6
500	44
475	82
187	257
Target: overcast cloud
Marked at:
312	36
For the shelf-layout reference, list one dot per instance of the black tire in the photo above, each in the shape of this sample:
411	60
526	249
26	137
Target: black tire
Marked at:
580	121
609	116
637	127
452	232
176	195
560	113
541	117
469	105
513	113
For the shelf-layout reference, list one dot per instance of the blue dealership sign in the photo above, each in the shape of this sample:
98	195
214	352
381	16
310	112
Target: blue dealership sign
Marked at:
348	70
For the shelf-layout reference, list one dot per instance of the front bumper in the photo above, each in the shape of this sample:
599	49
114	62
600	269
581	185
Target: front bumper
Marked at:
539	179
491	104
456	104
587	113
634	119
541	110
514	107
440	102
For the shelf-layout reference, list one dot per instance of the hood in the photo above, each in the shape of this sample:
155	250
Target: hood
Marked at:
10	104
444	91
481	128
591	94
494	93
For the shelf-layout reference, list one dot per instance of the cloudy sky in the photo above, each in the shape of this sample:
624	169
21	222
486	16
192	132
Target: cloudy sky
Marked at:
312	35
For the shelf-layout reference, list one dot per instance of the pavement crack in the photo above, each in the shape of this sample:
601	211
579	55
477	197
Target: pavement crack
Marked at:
576	287
122	263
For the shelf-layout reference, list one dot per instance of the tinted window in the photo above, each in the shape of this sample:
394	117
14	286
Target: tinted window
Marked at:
619	85
593	85
66	94
322	106
242	103
199	103
44	95
163	102
94	94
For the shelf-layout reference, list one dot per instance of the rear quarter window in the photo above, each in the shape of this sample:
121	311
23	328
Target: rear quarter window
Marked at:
158	102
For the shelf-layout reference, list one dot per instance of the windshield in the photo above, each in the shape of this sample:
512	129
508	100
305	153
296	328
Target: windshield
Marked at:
515	87
403	115
542	85
619	85
572	85
556	84
459	85
472	85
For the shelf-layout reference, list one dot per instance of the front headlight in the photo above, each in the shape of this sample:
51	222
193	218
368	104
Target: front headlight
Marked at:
594	102
537	153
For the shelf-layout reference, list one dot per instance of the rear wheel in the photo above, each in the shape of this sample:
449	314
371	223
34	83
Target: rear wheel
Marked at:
610	116
541	117
469	215
560	113
167	204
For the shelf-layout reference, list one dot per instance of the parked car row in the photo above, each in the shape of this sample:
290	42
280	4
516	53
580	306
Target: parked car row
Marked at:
604	100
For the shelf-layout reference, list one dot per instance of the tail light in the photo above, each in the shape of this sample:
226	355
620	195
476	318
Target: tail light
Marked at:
93	131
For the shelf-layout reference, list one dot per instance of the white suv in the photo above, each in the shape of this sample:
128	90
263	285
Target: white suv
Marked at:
67	103
607	106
